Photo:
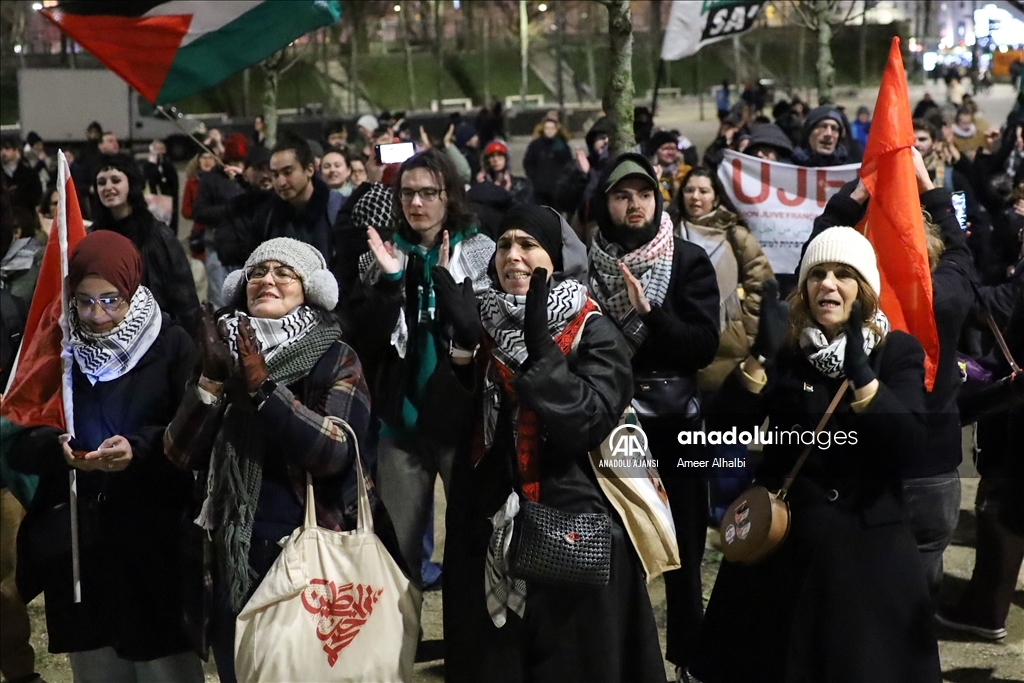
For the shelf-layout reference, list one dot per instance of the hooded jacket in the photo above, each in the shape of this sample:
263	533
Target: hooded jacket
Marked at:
688	319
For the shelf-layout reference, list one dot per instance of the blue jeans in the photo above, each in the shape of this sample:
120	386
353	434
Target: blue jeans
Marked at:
933	509
215	274
103	665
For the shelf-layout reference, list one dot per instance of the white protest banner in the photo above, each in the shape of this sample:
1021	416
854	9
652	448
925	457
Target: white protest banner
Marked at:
780	202
692	24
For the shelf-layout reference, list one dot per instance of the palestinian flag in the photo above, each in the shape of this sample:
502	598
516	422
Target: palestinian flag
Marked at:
168	50
38	392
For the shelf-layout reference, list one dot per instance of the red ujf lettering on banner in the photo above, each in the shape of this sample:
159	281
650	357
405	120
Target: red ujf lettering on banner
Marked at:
822	185
341	611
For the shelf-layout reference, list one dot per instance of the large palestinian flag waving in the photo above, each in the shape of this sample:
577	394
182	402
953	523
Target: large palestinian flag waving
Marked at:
167	50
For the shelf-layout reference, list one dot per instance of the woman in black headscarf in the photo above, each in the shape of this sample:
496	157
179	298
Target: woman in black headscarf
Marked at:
548	383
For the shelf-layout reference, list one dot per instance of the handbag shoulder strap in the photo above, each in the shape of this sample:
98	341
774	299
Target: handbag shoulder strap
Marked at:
1014	368
817	430
364	522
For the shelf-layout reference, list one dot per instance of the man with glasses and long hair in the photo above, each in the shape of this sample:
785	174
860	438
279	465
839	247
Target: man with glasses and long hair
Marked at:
401	341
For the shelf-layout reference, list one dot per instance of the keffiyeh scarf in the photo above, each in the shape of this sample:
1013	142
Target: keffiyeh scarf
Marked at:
827	357
275	334
105	356
502	317
651	264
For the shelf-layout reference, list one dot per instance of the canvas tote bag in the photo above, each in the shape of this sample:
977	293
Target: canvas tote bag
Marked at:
334	607
630	481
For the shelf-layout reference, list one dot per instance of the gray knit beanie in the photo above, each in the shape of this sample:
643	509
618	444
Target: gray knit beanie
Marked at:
319	286
841	244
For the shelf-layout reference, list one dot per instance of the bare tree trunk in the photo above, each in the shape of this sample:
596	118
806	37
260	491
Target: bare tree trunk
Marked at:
487	58
353	79
655	33
524	51
409	72
826	68
863	79
560	23
801	52
438	40
245	92
271	75
619	91
469	32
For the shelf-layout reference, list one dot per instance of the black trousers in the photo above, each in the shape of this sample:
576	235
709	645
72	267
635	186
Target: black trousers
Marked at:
687	490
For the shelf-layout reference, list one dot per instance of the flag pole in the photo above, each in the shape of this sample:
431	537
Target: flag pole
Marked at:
175	121
63	177
657	84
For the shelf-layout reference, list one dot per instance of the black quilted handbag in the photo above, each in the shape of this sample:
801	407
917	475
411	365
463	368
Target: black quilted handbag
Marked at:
551	546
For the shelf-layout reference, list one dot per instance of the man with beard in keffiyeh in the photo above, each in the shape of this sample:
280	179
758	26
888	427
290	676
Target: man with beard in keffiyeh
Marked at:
663	294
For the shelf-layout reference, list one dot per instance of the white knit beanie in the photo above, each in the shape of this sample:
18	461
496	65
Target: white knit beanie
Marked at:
319	286
845	245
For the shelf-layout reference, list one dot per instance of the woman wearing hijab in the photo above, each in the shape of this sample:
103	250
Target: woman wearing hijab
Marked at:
256	422
165	270
844	598
130	364
549	381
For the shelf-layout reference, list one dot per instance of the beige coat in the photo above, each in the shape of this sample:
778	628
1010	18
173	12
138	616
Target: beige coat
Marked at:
741	268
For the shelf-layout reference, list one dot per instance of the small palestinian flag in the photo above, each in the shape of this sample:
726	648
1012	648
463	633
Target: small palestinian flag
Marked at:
168	50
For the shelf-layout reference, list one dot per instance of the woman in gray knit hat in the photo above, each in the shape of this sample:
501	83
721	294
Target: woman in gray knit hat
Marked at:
274	370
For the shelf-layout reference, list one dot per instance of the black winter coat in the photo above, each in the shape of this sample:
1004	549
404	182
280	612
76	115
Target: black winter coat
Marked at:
545	157
310	224
162	178
844	597
129	520
604	634
165	269
952	299
23	188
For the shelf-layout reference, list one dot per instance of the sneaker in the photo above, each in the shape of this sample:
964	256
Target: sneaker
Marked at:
947	617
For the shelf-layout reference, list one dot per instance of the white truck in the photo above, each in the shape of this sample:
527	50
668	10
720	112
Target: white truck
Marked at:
59	104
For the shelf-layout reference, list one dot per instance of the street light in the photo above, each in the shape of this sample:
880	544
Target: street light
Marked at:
37	6
543	7
17	49
398	8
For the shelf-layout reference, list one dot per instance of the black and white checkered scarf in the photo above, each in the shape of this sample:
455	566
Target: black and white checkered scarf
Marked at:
827	357
502	317
105	356
274	334
651	264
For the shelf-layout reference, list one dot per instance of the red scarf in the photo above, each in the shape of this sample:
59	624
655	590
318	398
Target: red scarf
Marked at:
527	425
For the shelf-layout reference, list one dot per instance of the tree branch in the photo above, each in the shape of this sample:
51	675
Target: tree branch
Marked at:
805	19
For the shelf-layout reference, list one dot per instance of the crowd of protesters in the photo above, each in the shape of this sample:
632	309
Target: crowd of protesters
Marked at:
489	328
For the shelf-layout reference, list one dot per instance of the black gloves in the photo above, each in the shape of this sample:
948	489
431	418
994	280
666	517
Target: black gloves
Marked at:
771	327
459	308
535	320
856	366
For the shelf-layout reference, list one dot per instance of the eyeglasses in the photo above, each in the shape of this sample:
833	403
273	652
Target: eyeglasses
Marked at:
282	274
110	304
427	194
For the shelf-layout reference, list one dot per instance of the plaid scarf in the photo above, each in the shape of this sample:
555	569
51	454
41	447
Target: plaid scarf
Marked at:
274	334
651	264
828	357
105	356
566	319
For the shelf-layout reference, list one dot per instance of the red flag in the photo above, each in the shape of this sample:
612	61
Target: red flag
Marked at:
894	223
39	388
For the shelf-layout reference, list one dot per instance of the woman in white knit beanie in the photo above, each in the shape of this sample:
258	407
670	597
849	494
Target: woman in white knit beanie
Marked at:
845	591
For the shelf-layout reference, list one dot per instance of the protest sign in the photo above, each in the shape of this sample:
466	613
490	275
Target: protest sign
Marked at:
779	202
